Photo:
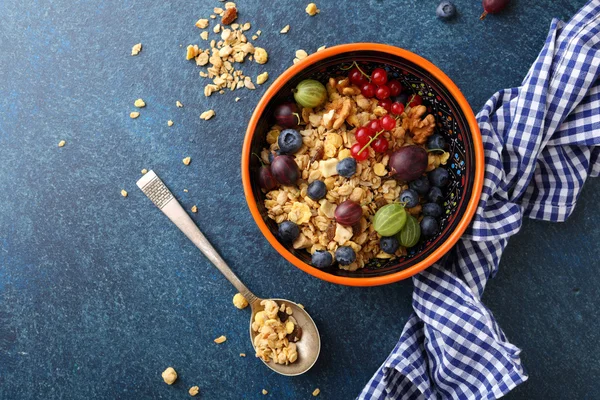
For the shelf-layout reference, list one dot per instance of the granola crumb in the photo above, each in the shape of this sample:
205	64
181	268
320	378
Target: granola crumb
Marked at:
262	78
316	392
185	190
134	114
202	23
264	391
242	354
204	35
220	339
178	104
229	15
217	28
61	143
258	32
237	99
212	16
124	193
135	50
139	103
206	115
285	29
260	55
194	390
311	9
170	123
322	48
144	171
301	306
254	37
187	160
229	4
194	209
169	375
239	301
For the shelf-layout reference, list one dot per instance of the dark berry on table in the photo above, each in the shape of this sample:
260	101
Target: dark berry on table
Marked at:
375	125
445	10
433	210
316	190
289	141
397	108
356	152
429	226
379	76
382	92
420	185
389	244
380	145
435	195
402	98
395	87
439	177
368	90
345	255
321	259
288	231
386	104
436	141
410	197
388	122
363	135
347	167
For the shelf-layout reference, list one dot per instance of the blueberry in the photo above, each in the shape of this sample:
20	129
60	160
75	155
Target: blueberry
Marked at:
289	141
433	210
345	255
346	167
429	226
420	185
288	231
402	98
272	155
436	141
439	177
445	10
321	259
435	195
316	190
389	244
410	197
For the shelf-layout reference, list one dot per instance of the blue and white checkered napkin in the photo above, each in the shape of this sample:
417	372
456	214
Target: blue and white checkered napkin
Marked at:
541	140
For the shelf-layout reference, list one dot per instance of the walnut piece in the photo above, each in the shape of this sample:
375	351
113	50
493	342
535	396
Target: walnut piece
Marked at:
421	129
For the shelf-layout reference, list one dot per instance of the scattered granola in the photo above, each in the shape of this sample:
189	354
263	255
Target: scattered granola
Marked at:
135	50
124	193
285	29
170	123
260	55
262	78
206	115
144	171
311	9
265	392
61	143
134	114
229	16
187	160
276	331
204	35
194	209
322	48
301	54
316	392
240	301
169	375
237	99
202	23
194	390
178	104
220	339
242	354
139	103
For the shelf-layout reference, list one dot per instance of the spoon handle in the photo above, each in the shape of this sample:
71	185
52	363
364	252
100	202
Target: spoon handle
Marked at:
161	196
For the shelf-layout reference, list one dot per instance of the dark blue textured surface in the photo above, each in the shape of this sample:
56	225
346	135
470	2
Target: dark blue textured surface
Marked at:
99	293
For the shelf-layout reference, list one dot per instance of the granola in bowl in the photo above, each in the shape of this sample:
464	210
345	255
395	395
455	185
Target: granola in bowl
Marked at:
345	152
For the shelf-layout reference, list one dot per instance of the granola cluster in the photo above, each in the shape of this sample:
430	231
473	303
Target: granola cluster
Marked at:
277	331
328	135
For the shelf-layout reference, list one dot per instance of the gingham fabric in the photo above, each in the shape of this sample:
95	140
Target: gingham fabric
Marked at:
541	141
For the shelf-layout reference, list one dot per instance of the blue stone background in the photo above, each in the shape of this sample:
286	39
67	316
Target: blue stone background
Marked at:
100	293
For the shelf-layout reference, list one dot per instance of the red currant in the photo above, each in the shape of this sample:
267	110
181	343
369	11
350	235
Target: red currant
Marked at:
375	125
395	87
368	90
415	100
386	103
383	92
388	122
363	135
380	145
357	77
379	76
397	108
355	149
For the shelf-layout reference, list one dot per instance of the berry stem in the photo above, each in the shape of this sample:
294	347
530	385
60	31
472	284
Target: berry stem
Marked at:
483	15
354	64
371	140
297	117
259	159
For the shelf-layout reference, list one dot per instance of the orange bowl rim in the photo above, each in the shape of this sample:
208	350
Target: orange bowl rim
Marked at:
477	145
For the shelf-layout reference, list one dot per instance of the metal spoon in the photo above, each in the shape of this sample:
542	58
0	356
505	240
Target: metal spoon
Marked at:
309	345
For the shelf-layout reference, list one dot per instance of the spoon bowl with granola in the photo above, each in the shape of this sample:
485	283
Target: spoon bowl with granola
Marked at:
363	164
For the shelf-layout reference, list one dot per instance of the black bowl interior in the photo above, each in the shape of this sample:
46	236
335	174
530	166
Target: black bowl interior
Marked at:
451	123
